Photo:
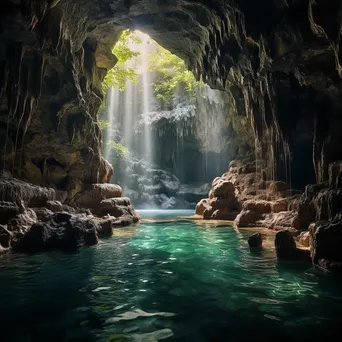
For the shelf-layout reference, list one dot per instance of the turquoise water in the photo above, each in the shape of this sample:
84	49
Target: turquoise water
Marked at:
177	281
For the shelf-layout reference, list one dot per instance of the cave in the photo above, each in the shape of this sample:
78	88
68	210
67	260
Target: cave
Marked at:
229	206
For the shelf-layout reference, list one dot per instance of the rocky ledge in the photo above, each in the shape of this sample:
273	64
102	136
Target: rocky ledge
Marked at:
312	218
35	219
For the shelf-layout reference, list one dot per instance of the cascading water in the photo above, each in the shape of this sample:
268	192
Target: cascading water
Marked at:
113	102
145	50
175	148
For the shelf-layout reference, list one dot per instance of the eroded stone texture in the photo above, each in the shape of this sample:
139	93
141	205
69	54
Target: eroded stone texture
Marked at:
62	232
276	70
56	226
255	241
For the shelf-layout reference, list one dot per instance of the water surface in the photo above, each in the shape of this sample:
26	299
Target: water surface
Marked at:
172	281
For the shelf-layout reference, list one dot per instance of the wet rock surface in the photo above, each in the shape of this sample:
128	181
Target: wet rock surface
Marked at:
242	195
286	248
56	226
153	187
313	218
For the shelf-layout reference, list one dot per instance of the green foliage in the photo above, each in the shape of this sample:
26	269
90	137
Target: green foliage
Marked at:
121	150
173	73
118	76
103	124
117	338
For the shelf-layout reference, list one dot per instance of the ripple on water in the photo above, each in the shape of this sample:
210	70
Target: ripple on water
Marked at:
174	281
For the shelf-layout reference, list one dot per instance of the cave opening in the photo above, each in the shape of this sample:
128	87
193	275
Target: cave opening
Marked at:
166	134
237	118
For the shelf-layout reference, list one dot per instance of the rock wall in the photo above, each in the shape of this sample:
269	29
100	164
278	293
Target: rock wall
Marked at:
279	62
50	90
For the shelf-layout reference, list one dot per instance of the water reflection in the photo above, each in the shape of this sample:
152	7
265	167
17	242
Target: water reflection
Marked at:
168	281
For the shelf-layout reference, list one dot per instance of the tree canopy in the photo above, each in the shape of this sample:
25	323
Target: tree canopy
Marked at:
118	76
173	72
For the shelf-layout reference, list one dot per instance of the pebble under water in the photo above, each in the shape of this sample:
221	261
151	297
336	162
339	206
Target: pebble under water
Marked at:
172	281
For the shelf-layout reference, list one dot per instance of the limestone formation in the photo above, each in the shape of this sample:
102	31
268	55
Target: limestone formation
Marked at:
56	226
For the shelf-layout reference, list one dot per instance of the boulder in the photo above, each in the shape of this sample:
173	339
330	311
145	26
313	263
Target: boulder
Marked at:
202	206
286	248
223	189
97	193
63	231
247	218
259	206
14	190
255	241
285	245
116	207
326	237
223	203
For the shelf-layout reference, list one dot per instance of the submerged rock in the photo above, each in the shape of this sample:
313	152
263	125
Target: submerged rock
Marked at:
255	241
285	245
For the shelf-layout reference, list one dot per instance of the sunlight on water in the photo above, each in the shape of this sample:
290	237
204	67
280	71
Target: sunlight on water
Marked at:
177	280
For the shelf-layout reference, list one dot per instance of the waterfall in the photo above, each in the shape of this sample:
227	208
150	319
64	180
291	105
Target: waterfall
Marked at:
146	102
175	148
112	110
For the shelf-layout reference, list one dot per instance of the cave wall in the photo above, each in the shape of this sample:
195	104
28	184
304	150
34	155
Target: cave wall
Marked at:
279	61
50	93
